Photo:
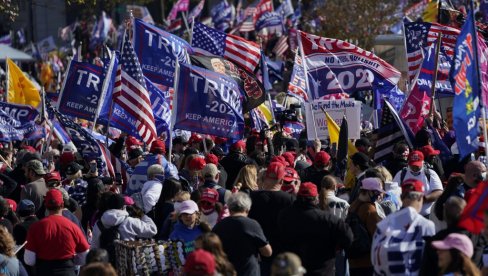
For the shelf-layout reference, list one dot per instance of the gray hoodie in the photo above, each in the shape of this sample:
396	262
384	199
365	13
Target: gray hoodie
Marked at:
129	227
9	266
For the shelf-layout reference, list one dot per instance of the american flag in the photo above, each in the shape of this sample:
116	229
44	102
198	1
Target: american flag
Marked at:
131	94
420	35
392	130
281	46
297	86
115	165
208	41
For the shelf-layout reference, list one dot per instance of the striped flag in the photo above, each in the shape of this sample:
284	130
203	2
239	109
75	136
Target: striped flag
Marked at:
392	130
208	41
281	46
421	35
115	165
131	94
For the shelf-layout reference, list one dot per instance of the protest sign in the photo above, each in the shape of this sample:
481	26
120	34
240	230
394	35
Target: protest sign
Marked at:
81	93
208	103
157	52
336	109
17	122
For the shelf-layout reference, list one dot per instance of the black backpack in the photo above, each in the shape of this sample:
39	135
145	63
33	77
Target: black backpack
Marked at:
361	244
404	173
107	239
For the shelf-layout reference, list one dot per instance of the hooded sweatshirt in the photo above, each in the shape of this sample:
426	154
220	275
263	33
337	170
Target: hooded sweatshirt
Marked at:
9	266
129	227
398	242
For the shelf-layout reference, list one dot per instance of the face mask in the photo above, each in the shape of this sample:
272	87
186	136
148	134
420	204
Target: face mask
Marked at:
159	177
483	175
373	197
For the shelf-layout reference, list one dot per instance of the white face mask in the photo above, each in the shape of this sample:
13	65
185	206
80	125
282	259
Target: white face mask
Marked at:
483	175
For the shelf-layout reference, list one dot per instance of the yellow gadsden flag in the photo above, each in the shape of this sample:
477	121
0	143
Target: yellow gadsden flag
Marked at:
20	89
333	130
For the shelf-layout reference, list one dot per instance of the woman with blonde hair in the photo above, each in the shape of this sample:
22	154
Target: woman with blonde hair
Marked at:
211	243
246	180
9	264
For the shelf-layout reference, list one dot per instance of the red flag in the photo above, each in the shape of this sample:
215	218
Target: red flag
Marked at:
472	216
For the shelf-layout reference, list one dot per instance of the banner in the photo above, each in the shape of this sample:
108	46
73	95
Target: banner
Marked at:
465	81
249	85
293	128
82	90
270	23
208	103
336	109
17	122
336	66
157	52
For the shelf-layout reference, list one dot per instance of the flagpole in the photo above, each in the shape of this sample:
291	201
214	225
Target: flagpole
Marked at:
186	23
64	84
436	65
105	85
407	86
192	26
174	108
7	84
305	71
483	108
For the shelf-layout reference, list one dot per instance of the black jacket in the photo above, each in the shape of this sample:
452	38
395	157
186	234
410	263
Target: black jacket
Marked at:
314	235
232	164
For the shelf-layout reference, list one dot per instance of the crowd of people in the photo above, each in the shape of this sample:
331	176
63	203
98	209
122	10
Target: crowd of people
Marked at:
266	205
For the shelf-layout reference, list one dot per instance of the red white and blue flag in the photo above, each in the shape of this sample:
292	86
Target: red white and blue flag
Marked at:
208	41
131	94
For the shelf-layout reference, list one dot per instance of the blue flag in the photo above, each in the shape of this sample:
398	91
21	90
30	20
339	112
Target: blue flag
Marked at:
81	93
157	52
465	82
160	107
222	15
208	103
17	122
85	143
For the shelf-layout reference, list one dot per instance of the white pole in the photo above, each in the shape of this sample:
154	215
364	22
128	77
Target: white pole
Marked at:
64	84
105	85
192	26
305	71
174	104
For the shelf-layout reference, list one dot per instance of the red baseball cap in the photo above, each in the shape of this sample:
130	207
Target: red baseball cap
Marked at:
412	185
322	158
211	158
307	189
290	175
52	176
53	198
416	158
280	159
238	145
29	148
195	138
158	147
289	158
67	157
197	164
275	171
200	262
12	204
429	150
210	195
132	142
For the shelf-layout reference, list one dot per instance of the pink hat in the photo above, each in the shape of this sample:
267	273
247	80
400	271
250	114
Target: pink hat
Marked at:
372	184
458	241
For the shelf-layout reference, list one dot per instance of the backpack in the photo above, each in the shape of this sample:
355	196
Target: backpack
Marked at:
108	235
404	173
361	244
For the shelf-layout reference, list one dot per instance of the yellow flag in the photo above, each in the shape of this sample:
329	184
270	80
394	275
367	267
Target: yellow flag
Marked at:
266	112
20	89
431	11
333	130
